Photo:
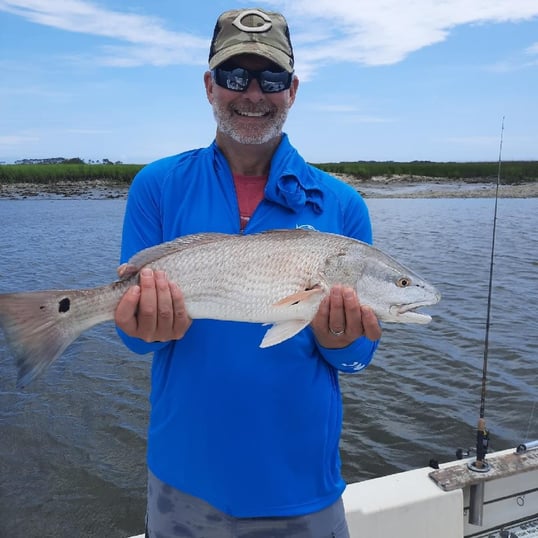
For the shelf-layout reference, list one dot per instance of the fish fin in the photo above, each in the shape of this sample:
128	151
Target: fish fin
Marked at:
127	270
304	295
39	326
152	254
282	331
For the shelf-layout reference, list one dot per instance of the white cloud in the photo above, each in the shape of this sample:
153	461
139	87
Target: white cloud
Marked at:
149	42
529	60
358	31
533	49
386	31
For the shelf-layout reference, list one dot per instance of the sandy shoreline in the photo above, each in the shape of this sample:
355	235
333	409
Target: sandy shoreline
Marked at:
89	190
377	187
428	187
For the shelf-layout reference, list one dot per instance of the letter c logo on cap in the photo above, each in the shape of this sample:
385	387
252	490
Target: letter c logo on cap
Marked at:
238	21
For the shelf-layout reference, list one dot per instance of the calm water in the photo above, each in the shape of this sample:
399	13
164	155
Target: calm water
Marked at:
72	444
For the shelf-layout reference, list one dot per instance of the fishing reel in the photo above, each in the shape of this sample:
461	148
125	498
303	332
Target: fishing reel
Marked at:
463	453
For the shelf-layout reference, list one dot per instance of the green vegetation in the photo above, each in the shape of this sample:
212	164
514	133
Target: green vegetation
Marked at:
511	171
55	170
53	173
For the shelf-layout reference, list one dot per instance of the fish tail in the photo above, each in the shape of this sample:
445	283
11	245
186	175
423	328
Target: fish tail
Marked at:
39	326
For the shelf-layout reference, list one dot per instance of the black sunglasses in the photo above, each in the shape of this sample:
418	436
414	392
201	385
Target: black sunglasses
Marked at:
237	79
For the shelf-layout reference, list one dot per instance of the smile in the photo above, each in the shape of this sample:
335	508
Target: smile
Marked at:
251	114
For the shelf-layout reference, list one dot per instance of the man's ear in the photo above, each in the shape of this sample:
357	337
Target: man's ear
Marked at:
293	89
208	83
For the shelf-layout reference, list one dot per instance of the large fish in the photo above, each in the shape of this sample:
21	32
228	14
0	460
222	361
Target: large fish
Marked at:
277	277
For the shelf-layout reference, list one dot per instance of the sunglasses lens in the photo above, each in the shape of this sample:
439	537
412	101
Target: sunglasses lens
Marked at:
271	82
237	79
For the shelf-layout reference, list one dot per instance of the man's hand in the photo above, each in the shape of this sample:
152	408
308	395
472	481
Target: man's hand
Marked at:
341	319
154	310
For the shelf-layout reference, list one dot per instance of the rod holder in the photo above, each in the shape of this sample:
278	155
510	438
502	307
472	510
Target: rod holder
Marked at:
476	504
476	493
529	445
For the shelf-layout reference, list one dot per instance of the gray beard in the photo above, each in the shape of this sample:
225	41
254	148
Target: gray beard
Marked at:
226	125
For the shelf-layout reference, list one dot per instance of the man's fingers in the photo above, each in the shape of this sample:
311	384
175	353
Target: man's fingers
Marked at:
165	312
125	315
147	312
182	321
370	323
153	311
337	315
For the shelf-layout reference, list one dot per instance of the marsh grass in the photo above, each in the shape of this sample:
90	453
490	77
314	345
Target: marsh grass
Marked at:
511	171
54	173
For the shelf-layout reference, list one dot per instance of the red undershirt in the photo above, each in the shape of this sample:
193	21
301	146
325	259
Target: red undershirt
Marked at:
249	190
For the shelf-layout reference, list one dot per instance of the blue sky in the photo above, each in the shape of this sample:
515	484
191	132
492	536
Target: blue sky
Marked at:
380	79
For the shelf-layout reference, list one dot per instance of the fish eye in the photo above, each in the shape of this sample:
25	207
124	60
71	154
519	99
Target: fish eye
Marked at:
403	282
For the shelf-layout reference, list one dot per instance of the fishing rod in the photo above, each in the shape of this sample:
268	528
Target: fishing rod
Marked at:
480	465
482	433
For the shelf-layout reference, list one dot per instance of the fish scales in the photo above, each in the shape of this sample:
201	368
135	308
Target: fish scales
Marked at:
242	278
277	277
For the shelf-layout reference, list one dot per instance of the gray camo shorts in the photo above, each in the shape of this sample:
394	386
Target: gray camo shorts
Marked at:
174	514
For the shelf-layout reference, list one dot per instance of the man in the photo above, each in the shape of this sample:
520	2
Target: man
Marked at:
243	441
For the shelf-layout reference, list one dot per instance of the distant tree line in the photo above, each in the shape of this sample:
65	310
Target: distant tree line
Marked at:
63	160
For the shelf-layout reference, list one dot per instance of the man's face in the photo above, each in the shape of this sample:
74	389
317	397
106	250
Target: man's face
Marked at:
250	117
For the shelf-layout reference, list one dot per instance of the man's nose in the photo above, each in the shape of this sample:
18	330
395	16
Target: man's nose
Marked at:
254	89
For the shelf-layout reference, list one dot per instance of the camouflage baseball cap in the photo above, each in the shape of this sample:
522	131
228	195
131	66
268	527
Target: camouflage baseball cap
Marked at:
251	31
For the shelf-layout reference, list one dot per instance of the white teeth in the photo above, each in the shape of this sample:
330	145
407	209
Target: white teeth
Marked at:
251	114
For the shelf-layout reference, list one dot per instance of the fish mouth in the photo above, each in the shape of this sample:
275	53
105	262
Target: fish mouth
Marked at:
408	312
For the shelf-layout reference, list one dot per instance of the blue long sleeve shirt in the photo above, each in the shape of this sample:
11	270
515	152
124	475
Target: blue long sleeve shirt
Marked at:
254	432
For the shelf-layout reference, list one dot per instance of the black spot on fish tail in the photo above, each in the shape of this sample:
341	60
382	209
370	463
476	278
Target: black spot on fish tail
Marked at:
64	305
